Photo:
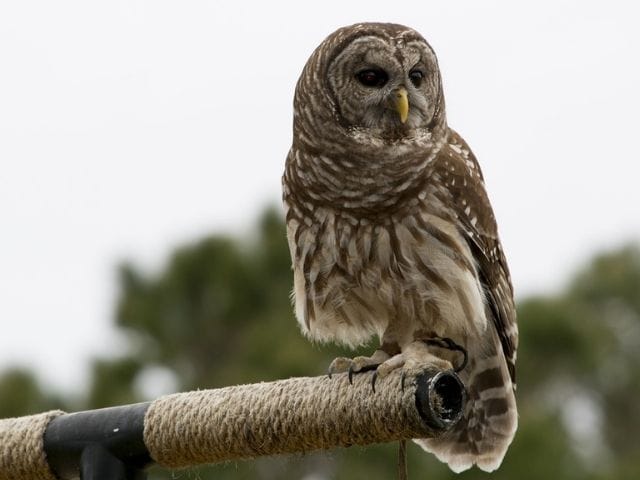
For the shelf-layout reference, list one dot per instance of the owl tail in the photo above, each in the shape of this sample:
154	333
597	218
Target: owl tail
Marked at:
484	433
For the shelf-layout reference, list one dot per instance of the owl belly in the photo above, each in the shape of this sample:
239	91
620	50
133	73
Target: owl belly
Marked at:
395	279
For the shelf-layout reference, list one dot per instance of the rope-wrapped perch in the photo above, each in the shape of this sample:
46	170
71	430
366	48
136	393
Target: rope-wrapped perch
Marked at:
22	455
246	421
287	416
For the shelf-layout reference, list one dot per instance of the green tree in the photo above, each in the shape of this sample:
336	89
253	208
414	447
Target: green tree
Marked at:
21	394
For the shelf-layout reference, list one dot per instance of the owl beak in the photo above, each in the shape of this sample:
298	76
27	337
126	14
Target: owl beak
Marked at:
401	101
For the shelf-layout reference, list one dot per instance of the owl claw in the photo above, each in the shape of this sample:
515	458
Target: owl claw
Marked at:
339	365
352	366
374	377
382	364
444	342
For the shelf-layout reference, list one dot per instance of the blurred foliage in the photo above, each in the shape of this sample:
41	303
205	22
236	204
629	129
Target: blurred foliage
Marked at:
21	394
220	314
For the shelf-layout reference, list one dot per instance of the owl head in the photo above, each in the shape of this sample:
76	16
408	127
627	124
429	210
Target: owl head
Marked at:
377	80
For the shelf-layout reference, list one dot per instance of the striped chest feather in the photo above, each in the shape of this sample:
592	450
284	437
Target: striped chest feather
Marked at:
354	278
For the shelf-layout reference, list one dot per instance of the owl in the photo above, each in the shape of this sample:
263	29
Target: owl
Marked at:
391	232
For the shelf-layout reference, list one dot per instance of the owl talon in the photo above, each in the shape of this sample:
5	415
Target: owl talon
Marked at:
374	377
351	375
355	368
447	343
357	364
339	365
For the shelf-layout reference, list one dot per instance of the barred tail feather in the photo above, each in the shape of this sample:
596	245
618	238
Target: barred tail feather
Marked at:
490	420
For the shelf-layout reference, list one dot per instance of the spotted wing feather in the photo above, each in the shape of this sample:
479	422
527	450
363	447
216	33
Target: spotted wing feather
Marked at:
488	426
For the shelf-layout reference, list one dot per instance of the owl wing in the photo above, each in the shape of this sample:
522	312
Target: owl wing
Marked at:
460	172
483	435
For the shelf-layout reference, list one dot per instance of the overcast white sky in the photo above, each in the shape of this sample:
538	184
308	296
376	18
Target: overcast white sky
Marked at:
130	127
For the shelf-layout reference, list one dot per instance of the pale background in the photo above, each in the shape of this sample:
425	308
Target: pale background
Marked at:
130	127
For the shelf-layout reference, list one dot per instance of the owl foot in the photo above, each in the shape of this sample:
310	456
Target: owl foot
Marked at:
357	364
447	343
414	355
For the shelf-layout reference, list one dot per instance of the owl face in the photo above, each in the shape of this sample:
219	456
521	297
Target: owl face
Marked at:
387	85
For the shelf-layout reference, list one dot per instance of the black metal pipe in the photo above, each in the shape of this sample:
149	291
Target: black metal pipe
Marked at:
98	444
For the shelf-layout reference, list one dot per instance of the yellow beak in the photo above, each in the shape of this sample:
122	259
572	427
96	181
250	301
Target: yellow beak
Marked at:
402	104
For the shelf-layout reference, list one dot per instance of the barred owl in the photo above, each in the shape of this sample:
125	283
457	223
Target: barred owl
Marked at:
392	234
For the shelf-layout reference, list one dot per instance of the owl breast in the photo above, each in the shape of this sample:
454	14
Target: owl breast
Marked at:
355	277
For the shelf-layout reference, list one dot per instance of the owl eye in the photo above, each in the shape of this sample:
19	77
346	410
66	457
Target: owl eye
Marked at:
372	77
416	77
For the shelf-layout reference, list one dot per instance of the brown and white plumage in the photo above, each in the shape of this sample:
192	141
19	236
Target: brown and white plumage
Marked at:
391	231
